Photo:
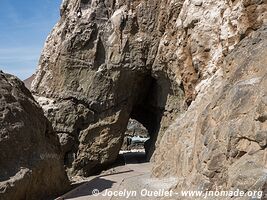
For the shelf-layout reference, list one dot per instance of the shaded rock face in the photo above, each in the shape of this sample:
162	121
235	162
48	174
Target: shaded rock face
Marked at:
221	141
31	165
27	82
108	61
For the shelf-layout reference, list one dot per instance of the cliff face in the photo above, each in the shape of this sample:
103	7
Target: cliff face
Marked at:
98	69
30	157
106	61
220	142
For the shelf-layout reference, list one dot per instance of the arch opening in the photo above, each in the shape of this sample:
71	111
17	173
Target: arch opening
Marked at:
148	110
135	137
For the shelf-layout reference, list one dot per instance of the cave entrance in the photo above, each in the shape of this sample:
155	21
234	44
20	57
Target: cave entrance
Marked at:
146	116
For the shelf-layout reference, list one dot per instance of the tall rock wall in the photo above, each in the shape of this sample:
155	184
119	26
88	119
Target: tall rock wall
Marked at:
220	143
106	61
96	71
31	163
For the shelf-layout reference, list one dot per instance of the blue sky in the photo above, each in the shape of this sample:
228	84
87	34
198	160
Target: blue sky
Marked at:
24	27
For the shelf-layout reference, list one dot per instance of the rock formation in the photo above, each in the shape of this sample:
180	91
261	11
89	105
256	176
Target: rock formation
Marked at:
31	165
107	61
221	141
97	70
28	82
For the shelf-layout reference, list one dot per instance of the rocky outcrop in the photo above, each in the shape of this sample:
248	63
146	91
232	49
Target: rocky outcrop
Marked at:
106	61
220	143
96	72
31	165
28	81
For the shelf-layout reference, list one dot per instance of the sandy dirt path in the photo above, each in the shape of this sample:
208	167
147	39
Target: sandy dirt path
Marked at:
129	179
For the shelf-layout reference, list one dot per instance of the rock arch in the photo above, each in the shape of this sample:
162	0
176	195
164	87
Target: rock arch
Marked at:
90	82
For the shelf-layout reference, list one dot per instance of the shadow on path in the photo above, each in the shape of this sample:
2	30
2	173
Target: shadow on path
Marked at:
86	189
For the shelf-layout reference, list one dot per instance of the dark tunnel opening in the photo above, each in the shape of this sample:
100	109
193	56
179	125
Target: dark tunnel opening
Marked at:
149	109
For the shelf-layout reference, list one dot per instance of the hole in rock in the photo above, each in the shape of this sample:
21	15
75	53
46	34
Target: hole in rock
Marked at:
145	119
135	137
133	147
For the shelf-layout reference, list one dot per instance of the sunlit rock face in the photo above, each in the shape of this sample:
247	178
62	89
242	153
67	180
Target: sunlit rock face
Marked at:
31	163
97	70
220	142
108	61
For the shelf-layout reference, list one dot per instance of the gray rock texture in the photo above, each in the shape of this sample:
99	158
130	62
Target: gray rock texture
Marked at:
27	82
107	61
31	165
220	143
96	71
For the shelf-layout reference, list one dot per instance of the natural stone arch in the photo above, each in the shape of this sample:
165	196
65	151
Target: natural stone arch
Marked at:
90	83
91	132
150	110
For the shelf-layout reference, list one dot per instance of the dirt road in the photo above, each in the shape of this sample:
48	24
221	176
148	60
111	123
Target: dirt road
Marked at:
129	181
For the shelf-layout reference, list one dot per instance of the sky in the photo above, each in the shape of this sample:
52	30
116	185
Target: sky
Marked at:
24	27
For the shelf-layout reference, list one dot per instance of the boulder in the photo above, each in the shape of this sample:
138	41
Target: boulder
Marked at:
31	163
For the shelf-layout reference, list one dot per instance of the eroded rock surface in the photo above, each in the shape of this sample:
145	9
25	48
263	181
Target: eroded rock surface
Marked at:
106	61
96	72
31	165
220	143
